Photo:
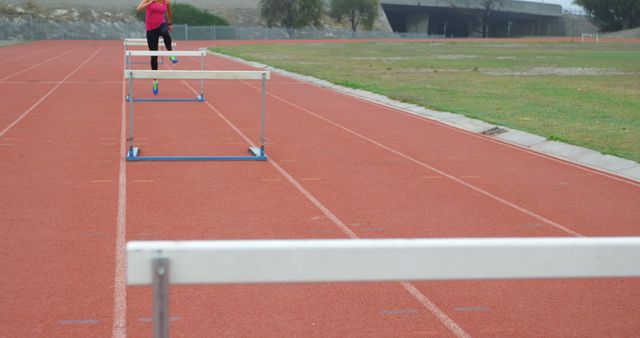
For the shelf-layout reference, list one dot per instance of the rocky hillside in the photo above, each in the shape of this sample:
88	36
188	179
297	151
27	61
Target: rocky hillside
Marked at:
237	12
629	33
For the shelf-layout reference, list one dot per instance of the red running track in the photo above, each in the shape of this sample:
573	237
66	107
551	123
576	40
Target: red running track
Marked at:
339	167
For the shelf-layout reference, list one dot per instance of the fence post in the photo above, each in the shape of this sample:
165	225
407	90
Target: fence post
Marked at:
33	28
186	31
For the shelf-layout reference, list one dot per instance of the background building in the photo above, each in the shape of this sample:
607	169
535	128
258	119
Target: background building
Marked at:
464	18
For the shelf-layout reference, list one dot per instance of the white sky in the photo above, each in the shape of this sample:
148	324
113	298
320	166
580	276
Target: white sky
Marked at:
566	4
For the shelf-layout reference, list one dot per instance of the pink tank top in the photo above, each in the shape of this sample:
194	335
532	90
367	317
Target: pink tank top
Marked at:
154	16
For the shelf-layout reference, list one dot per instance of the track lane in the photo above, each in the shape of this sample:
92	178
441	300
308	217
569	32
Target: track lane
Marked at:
627	222
480	161
234	200
57	216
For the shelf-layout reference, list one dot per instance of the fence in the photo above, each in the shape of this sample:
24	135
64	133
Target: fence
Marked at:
26	28
186	32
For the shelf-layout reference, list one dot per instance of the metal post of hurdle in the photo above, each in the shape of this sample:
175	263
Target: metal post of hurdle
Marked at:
202	53
256	154
369	260
160	285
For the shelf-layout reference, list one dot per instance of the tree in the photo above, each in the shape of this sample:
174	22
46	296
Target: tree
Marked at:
191	15
612	15
357	12
188	14
487	7
291	14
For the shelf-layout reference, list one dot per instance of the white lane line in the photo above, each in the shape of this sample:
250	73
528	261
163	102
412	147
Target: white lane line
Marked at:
31	82
434	169
39	64
5	130
325	211
17	48
430	120
409	287
22	56
119	328
284	173
486	138
426	302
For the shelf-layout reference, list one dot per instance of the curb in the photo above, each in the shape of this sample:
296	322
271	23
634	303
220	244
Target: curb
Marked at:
586	157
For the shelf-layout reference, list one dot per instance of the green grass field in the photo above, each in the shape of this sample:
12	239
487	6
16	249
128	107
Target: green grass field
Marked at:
587	94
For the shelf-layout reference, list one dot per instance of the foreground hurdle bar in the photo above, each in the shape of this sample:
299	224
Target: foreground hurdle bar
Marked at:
202	53
364	260
257	154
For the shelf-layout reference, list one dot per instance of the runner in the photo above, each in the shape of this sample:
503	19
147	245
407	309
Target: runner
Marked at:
157	26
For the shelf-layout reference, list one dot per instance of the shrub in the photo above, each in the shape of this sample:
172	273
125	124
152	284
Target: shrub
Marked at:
190	15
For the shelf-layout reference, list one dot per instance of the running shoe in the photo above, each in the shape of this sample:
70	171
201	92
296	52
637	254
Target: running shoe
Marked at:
155	87
173	59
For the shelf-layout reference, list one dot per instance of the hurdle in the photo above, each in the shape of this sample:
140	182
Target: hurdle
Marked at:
140	42
202	53
256	153
590	35
161	263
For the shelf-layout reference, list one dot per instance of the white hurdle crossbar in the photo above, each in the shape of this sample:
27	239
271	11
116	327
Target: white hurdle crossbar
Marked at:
257	154
142	42
367	260
140	39
202	53
198	74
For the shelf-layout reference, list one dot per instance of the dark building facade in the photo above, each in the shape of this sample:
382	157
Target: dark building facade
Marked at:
465	18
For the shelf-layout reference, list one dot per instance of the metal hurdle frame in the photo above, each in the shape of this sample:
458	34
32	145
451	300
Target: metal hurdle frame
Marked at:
368	260
202	53
139	42
256	154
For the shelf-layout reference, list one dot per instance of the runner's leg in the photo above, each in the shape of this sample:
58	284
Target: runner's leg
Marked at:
153	37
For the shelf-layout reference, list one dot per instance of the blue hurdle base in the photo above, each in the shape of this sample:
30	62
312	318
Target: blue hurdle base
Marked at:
257	154
199	98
